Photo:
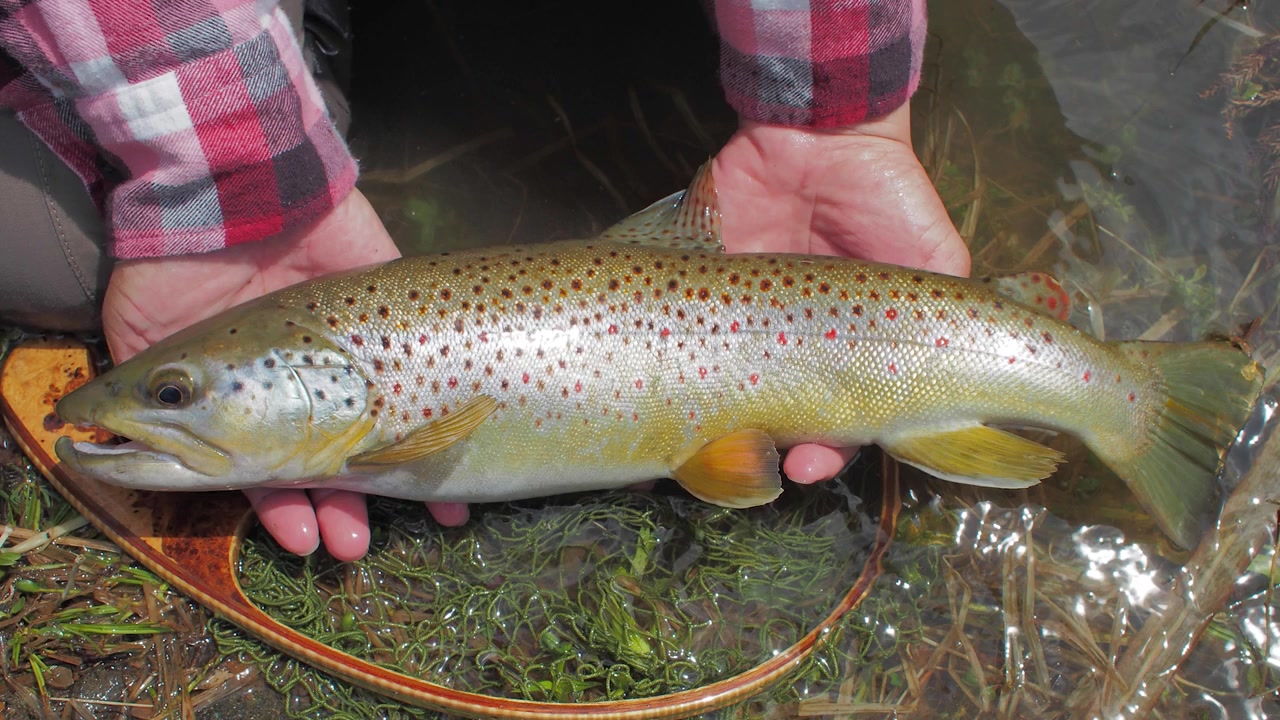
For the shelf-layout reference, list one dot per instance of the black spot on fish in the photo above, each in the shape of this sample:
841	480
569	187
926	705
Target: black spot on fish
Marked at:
268	363
349	402
233	331
320	395
237	386
306	339
384	312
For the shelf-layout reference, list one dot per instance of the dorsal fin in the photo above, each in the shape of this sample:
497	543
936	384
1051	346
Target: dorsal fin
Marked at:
687	220
1039	291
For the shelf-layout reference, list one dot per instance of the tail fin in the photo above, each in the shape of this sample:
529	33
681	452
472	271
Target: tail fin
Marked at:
1210	391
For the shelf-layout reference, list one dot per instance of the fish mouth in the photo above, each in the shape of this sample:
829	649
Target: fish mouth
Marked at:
170	458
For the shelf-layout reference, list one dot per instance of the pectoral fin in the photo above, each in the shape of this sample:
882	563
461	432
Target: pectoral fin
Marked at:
977	455
432	437
737	470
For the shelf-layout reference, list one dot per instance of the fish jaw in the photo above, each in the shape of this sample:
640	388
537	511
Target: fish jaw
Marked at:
136	465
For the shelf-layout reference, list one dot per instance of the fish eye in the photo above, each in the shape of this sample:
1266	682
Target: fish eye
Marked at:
171	394
171	389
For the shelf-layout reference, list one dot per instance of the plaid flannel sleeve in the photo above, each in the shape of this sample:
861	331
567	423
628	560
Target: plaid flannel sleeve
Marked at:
819	63
193	123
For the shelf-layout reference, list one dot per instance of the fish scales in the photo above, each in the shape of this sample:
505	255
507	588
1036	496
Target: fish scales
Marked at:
626	354
505	373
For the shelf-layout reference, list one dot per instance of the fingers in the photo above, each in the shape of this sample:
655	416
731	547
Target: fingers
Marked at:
344	523
810	463
288	516
449	514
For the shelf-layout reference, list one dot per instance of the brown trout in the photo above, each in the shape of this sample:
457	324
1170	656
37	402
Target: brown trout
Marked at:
511	372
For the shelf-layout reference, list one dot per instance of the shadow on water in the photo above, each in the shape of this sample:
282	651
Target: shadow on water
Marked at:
1081	138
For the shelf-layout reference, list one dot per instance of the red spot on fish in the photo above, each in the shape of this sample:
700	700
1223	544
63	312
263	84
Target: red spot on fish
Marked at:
577	387
357	340
702	372
755	379
639	384
691	414
1048	339
941	342
664	332
426	412
1011	360
891	314
893	368
484	337
1088	375
525	378
1035	278
831	334
396	388
782	338
1052	303
422	339
733	326
1132	397
453	382
613	329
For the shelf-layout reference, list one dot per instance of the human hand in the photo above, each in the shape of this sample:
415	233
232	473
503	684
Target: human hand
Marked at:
147	300
858	192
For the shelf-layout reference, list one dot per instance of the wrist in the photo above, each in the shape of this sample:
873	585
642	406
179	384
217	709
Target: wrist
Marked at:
895	126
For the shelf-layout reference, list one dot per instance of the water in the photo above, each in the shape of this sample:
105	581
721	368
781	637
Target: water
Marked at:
1080	138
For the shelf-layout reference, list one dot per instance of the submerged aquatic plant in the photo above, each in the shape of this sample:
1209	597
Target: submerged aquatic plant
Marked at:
619	595
1252	84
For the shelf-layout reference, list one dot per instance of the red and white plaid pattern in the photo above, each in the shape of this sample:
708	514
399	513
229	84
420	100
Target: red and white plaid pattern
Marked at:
819	63
194	123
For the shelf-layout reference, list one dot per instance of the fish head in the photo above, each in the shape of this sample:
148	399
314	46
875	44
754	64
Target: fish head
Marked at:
238	402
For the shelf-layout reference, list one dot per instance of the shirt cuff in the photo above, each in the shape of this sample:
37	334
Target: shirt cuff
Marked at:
824	64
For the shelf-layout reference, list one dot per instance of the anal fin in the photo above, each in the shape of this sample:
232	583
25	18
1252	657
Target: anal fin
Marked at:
737	470
432	437
977	455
